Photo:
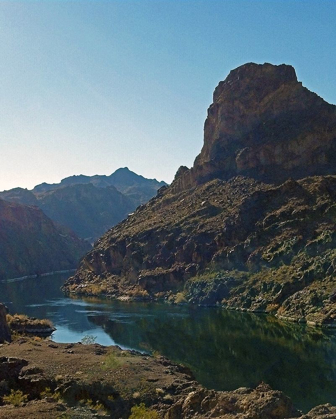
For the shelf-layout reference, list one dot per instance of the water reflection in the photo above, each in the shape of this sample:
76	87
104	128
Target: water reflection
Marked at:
224	349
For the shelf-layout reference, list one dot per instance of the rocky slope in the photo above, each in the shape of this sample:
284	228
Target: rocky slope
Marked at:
88	205
30	243
47	380
252	224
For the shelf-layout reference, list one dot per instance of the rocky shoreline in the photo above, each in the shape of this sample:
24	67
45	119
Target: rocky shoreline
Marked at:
40	378
277	259
84	381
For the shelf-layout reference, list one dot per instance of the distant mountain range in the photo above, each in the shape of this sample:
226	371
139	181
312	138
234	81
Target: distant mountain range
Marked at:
43	229
89	205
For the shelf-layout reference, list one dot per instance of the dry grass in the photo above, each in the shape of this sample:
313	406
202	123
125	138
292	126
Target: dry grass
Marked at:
22	324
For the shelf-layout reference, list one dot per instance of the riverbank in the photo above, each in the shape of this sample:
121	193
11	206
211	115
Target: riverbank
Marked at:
225	349
326	321
83	381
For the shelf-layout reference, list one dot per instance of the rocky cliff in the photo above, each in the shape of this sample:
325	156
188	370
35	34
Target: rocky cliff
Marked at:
30	243
264	124
252	224
88	205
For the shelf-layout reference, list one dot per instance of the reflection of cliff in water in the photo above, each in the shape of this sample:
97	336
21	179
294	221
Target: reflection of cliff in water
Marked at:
43	298
17	294
224	349
227	350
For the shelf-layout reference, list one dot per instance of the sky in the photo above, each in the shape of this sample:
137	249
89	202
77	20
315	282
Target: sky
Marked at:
89	86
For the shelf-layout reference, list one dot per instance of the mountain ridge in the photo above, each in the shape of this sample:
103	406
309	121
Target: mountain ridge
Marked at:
89	205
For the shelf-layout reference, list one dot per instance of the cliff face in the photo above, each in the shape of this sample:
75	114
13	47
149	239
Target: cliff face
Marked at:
237	229
30	243
264	124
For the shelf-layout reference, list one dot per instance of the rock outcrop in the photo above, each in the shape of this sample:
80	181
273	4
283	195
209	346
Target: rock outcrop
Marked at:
5	334
30	243
22	324
264	124
255	232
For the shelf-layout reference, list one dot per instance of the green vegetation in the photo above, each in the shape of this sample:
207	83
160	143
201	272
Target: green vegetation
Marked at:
142	412
15	398
111	362
94	405
47	392
88	340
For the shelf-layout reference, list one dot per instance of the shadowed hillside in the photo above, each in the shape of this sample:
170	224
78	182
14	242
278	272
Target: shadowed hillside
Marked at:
30	243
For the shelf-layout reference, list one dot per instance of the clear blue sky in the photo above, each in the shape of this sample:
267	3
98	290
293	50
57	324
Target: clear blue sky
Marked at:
91	86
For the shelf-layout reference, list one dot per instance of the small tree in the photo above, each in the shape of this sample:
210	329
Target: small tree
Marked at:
88	340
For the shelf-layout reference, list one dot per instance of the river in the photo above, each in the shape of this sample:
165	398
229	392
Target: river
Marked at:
224	349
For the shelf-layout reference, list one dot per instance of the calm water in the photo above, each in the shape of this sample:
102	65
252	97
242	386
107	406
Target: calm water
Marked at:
224	349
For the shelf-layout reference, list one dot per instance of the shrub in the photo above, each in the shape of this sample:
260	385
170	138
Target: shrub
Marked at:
142	412
15	398
88	340
111	362
47	392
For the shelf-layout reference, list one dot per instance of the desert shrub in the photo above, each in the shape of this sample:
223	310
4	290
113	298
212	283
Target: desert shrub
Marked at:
94	405
15	398
142	412
47	392
88	339
111	362
180	298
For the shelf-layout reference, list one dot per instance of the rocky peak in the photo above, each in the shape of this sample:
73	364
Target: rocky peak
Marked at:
253	76
264	124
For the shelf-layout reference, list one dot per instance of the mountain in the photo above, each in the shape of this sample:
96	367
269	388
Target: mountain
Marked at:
89	205
251	225
264	124
30	243
124	180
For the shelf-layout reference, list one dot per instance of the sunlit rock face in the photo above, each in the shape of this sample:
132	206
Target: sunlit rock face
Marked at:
263	123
